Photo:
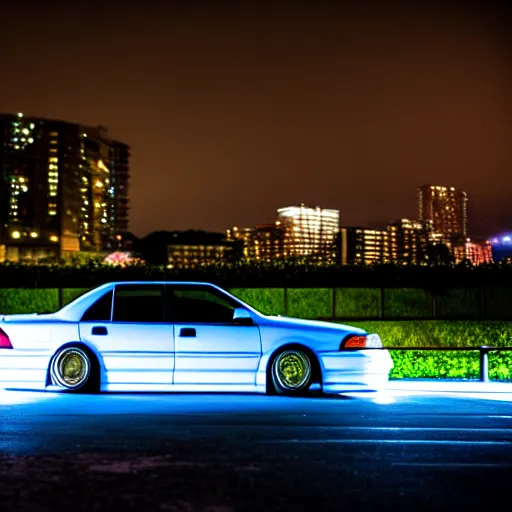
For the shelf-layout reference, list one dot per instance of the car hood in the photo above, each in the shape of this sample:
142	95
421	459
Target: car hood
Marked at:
307	325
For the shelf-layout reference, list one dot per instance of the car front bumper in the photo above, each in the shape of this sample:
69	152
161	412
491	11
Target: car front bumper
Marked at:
355	370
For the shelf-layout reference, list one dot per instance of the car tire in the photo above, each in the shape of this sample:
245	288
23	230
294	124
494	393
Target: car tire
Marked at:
291	372
74	369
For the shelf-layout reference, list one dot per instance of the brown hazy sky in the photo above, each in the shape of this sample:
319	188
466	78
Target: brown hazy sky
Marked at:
233	110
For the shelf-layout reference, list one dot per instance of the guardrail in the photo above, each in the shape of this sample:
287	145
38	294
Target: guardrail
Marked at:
484	354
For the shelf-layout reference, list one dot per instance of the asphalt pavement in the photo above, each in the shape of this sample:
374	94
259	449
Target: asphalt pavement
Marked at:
398	450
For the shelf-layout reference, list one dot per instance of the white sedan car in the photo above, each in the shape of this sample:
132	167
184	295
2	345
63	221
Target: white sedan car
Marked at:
173	336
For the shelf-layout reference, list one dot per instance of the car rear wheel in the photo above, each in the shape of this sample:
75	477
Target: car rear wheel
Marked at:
291	372
71	369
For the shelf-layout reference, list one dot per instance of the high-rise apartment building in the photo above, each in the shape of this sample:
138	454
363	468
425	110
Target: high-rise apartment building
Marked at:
408	241
403	241
63	187
309	232
265	242
358	245
445	208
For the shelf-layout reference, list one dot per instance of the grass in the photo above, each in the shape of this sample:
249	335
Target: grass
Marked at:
69	294
357	302
22	300
407	302
310	302
270	301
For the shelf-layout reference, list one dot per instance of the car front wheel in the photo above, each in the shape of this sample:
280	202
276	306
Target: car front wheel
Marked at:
291	372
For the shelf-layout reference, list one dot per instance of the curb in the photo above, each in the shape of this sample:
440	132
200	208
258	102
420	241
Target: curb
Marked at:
459	386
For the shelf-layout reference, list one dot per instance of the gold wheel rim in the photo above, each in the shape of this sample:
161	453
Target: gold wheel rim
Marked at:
292	369
73	368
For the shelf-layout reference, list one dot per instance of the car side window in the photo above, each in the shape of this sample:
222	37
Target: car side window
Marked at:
100	311
139	303
199	305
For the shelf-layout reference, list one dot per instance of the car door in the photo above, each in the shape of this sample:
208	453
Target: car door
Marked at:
211	349
128	328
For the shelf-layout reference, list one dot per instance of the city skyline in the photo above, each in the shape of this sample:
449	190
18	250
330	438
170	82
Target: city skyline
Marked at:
232	112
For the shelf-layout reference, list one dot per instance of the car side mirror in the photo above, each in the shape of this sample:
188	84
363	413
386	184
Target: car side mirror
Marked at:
242	316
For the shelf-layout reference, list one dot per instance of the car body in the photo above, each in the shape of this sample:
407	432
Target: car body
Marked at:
176	336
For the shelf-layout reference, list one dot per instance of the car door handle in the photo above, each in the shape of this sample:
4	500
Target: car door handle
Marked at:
99	330
187	332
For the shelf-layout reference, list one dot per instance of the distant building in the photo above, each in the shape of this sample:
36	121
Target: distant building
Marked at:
445	208
265	242
309	232
244	237
63	188
408	241
185	249
479	253
403	241
501	247
357	245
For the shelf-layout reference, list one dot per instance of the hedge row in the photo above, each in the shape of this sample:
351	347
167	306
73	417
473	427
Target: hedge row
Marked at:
446	365
279	274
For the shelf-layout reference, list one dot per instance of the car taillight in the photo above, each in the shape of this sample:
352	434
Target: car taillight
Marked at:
362	341
355	341
5	342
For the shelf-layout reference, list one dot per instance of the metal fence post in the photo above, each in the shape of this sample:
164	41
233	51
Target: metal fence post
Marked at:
434	305
484	363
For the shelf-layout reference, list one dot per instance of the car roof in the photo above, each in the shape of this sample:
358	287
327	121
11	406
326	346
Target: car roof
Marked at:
74	310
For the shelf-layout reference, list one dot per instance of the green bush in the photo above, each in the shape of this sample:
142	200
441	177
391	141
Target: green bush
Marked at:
448	365
500	365
435	365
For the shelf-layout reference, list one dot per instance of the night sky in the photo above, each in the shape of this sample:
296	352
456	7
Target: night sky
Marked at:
234	110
